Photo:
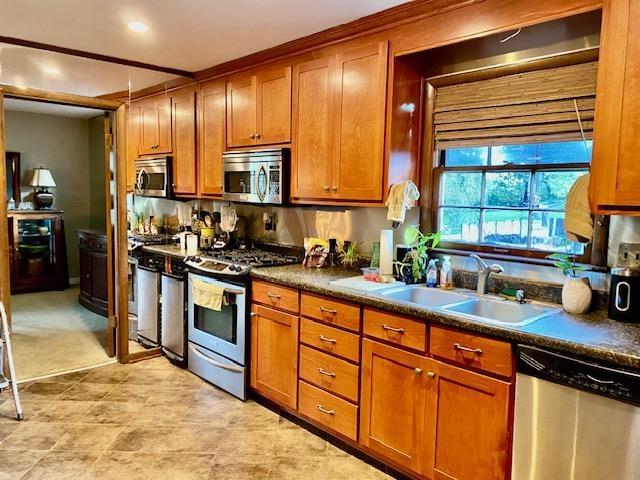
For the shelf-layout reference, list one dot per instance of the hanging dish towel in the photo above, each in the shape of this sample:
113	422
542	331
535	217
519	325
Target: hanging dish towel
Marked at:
208	295
401	196
578	222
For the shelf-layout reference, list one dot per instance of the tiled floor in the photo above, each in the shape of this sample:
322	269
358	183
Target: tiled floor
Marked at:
152	420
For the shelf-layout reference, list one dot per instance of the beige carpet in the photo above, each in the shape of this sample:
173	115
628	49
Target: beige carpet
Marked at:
52	333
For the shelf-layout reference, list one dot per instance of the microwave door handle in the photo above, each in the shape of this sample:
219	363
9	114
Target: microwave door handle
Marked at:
211	361
139	180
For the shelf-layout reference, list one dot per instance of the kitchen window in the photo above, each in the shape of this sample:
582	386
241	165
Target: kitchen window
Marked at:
507	149
509	197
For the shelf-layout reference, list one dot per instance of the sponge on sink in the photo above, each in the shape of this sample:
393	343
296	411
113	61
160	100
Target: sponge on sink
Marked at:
508	293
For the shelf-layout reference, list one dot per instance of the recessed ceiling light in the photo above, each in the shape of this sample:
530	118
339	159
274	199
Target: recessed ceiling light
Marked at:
138	27
51	70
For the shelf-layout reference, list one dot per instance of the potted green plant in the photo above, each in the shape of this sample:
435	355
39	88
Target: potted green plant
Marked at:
349	256
420	244
576	290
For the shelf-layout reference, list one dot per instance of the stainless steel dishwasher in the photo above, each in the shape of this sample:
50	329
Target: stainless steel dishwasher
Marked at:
148	309
173	313
574	419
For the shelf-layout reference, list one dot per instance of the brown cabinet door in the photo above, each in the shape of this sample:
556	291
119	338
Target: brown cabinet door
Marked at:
211	138
183	118
155	125
274	354
85	273
471	429
241	111
273	106
394	389
99	277
615	171
359	127
313	129
133	141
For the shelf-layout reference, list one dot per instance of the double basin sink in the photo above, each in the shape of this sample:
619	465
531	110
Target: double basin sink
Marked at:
469	305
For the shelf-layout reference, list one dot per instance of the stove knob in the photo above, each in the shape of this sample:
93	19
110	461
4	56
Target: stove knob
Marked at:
197	260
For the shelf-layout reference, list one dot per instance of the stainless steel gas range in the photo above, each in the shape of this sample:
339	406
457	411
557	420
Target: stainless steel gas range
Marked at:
218	340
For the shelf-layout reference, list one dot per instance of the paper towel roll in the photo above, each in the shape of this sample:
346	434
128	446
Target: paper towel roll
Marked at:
386	252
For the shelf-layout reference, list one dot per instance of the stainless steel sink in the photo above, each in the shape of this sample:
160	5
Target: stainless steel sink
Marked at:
424	296
501	312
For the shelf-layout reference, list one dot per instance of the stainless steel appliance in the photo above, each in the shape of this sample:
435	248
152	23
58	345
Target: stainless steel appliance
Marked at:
574	419
624	294
217	339
173	313
148	279
132	286
257	176
153	177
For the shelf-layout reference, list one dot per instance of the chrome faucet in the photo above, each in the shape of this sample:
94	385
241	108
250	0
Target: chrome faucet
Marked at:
484	271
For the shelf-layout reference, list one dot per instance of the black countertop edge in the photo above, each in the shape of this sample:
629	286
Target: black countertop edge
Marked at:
592	336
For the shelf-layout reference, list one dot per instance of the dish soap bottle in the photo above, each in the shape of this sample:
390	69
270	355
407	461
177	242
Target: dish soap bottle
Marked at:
432	273
446	273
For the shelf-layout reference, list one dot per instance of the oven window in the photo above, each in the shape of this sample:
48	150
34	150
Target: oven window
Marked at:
222	324
151	181
237	182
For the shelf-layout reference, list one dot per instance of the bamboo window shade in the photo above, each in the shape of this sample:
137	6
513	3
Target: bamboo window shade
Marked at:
531	107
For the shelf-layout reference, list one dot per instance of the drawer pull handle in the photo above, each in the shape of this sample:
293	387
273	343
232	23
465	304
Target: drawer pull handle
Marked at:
323	410
460	348
328	340
328	310
324	372
393	329
273	295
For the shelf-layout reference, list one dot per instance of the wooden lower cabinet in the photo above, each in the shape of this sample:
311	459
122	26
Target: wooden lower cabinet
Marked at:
393	401
274	354
329	410
469	425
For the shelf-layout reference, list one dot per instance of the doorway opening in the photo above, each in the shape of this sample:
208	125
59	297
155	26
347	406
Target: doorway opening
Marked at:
58	187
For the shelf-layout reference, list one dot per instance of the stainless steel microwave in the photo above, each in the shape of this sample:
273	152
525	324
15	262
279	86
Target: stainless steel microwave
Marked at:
153	177
256	176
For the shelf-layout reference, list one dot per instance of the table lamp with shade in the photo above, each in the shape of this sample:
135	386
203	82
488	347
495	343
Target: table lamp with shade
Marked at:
42	180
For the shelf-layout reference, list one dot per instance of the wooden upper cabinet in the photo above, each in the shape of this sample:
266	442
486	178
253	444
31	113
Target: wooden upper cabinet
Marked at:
360	120
313	120
155	125
274	354
393	399
241	111
211	137
615	169
133	141
183	119
259	108
471	429
273	106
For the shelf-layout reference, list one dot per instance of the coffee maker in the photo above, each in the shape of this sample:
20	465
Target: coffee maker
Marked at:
624	294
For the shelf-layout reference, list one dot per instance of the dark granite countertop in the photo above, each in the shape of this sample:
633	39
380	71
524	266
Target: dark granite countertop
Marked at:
591	336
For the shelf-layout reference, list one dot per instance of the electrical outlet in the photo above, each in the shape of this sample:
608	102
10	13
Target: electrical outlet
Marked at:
629	255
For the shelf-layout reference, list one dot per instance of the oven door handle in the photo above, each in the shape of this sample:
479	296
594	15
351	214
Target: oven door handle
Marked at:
211	361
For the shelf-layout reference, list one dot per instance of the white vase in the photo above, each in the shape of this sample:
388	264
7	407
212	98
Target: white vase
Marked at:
576	295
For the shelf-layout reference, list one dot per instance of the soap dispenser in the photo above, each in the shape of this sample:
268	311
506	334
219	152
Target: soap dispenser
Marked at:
432	273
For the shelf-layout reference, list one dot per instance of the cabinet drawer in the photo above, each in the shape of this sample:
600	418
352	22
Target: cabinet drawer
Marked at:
331	311
275	296
472	351
330	340
399	330
329	410
330	373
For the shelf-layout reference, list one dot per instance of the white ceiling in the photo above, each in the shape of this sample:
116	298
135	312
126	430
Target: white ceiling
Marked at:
15	105
185	34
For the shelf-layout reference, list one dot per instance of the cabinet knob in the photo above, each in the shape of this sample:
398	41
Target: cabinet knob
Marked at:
326	188
431	375
257	135
253	135
418	371
334	189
